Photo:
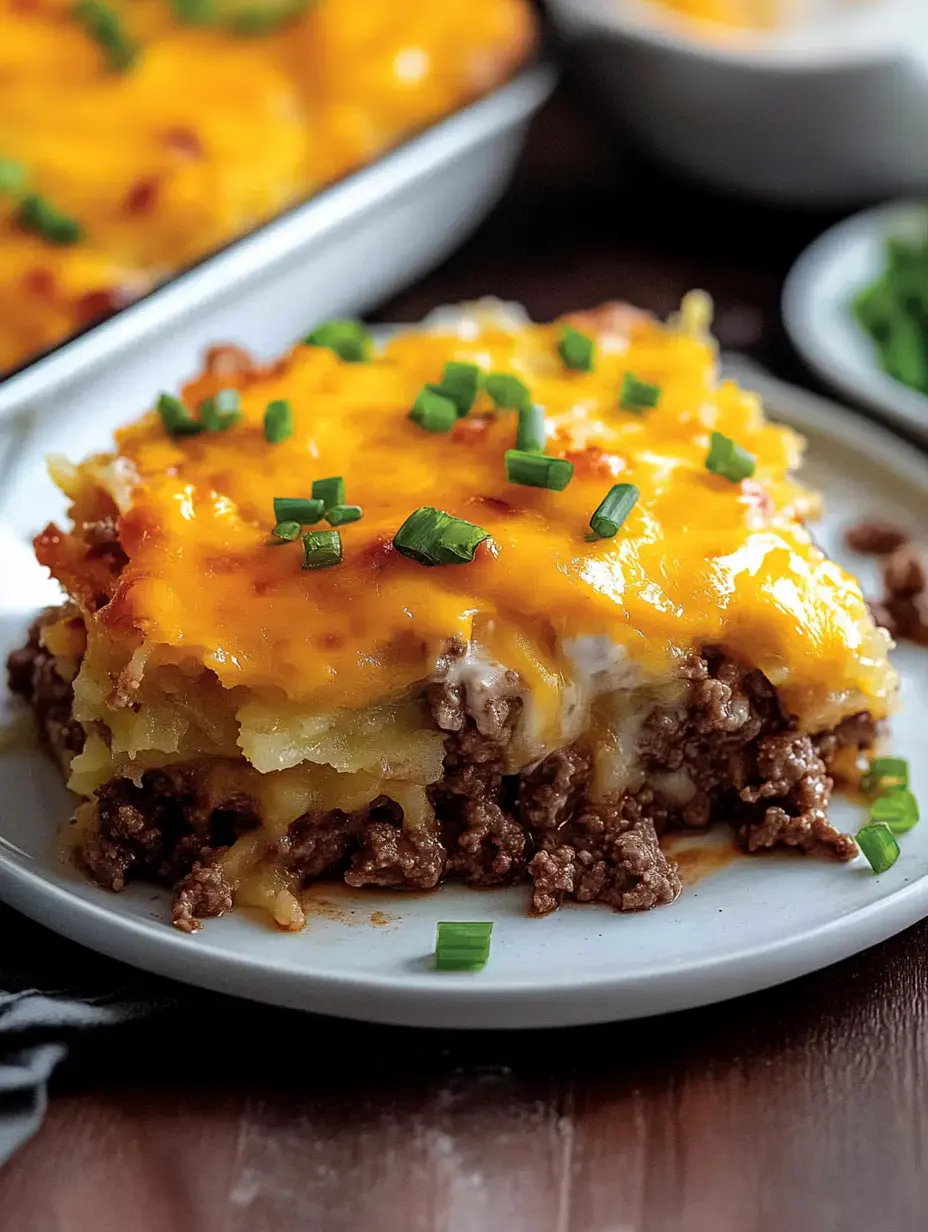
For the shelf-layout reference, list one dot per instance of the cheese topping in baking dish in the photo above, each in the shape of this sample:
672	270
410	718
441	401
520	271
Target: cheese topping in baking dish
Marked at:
700	560
139	135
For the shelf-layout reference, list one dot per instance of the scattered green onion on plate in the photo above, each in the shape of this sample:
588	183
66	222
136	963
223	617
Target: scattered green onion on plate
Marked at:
885	774
878	843
898	809
462	946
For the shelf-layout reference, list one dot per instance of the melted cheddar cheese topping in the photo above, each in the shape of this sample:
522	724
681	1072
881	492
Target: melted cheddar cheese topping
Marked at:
699	561
744	14
208	133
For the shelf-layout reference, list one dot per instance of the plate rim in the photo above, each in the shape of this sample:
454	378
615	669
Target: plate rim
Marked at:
448	1000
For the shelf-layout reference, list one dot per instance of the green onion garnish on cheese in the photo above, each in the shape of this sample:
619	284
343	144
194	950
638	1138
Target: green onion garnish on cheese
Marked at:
433	537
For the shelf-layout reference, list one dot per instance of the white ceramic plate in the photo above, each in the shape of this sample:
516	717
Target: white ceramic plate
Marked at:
350	247
816	298
749	924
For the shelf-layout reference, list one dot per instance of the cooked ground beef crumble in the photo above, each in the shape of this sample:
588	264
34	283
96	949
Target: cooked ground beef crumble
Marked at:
902	609
727	738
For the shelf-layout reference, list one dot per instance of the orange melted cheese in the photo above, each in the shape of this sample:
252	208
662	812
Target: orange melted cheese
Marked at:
209	133
749	14
699	561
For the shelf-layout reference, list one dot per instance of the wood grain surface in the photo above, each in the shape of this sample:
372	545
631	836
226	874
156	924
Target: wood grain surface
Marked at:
801	1108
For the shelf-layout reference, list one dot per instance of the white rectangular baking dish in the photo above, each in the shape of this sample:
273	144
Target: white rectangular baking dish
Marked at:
349	247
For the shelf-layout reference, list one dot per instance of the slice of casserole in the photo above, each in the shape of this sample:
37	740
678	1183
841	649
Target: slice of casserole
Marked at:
501	602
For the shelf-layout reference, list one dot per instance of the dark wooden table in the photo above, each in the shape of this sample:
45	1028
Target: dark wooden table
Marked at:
801	1108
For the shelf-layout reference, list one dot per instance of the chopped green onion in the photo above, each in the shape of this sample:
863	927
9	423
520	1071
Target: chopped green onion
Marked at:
893	311
459	383
433	411
530	436
536	470
194	12
278	422
899	809
348	339
576	350
506	390
287	531
221	411
255	21
461	946
885	774
321	548
729	460
239	16
433	537
878	843
613	509
13	176
637	396
39	216
102	24
330	491
264	16
298	509
176	418
338	515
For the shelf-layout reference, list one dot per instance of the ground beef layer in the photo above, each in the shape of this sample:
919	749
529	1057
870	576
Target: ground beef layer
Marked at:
728	741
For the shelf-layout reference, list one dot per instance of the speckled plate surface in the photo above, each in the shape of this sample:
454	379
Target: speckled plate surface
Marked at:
741	924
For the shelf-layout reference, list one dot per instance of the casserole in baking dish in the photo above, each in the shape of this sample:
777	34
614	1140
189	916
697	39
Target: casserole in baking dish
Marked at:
136	137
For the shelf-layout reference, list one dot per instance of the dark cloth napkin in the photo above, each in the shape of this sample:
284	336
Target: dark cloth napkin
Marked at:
85	1021
53	994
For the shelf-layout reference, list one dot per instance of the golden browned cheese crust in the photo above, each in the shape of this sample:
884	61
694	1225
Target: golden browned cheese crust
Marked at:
203	645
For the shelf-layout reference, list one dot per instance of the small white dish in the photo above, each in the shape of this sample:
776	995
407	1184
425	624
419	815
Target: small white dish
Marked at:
832	110
749	924
816	309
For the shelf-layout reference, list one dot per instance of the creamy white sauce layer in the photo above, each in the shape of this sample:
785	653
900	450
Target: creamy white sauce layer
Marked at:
597	667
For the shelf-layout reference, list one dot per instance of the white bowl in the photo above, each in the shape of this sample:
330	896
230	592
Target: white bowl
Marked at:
834	112
816	310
